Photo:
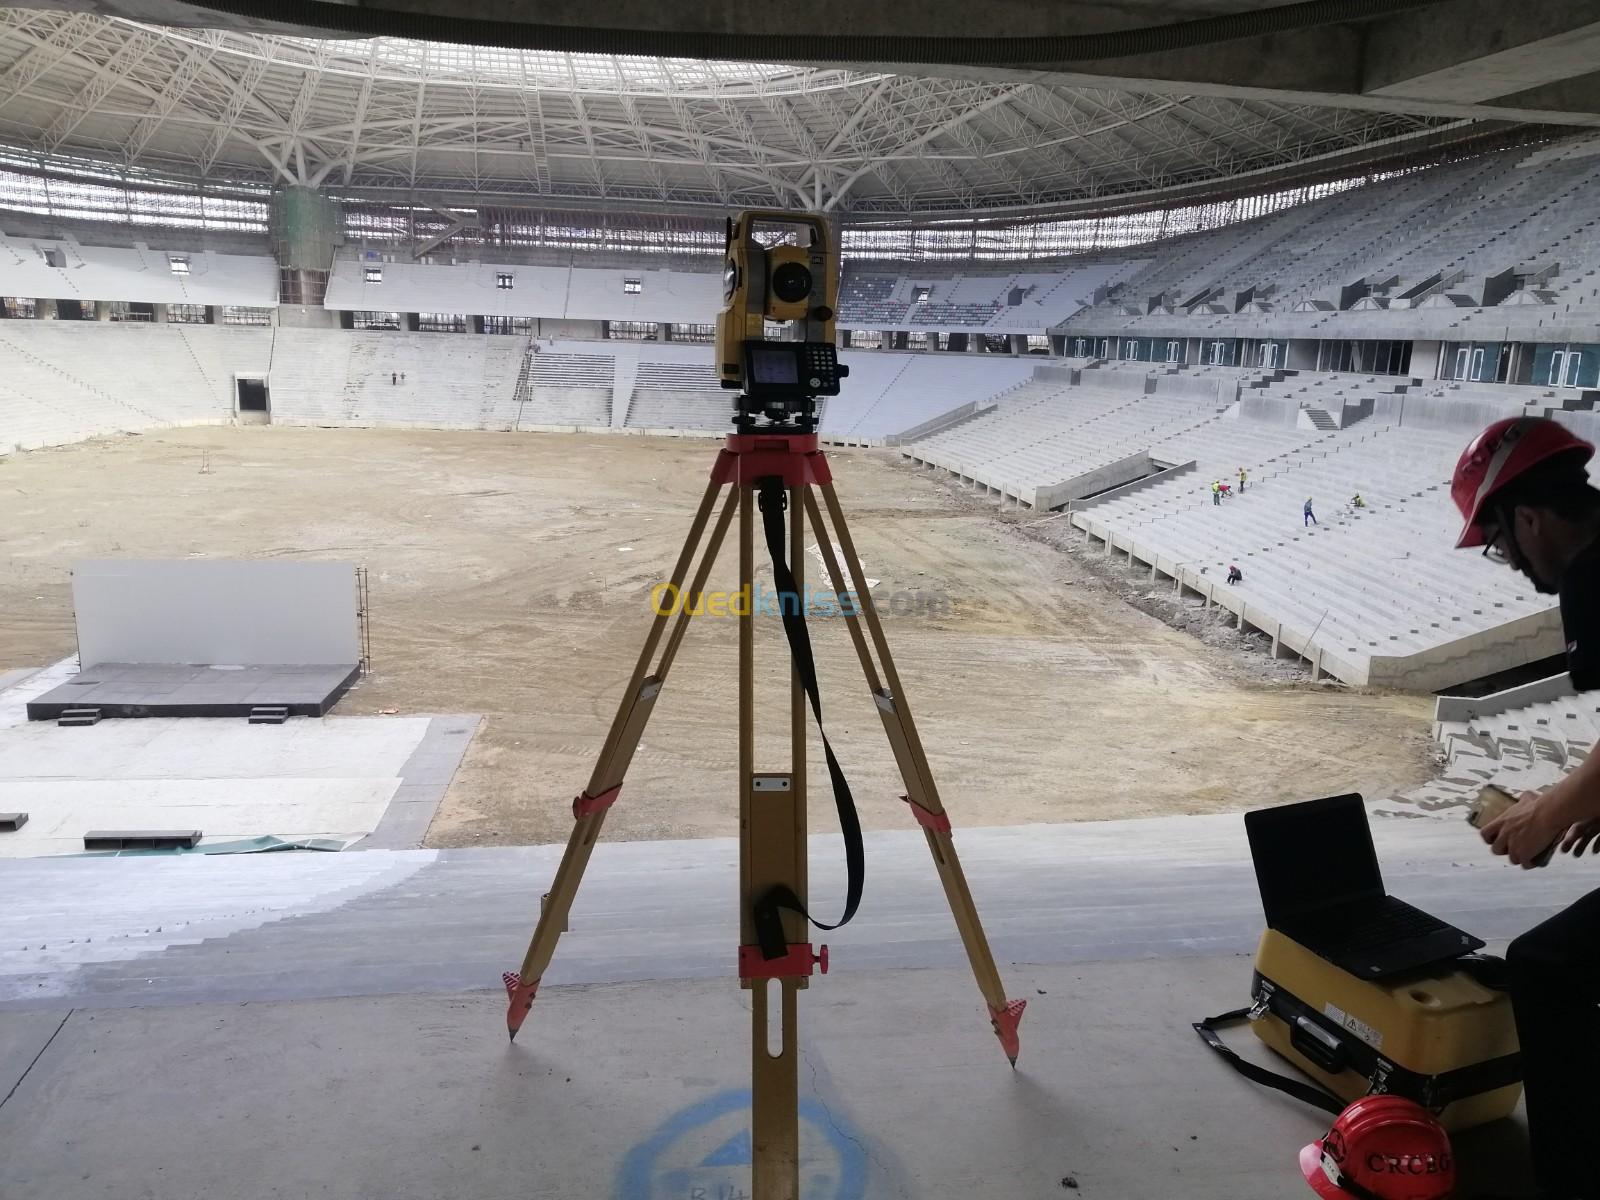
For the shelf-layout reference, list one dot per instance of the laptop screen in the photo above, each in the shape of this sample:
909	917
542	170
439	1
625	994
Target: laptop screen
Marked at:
1312	855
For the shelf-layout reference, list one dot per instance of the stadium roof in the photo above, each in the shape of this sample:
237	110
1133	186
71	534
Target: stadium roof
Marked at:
388	117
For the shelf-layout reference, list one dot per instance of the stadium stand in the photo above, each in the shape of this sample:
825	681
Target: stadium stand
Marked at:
1469	244
1010	302
887	394
569	387
63	381
1435	619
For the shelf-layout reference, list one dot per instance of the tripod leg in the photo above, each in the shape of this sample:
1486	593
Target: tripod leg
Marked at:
921	792
627	727
772	852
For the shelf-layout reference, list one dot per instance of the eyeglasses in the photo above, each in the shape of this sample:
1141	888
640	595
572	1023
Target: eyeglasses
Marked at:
1495	552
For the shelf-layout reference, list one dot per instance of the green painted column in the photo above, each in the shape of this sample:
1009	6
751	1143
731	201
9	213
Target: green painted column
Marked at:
307	229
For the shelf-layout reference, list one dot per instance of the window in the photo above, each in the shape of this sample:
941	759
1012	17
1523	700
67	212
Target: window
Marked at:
186	314
442	322
916	341
633	331
178	263
243	314
632	287
694	333
124	310
53	256
921	293
16	306
523	325
374	320
1174	352
1038	343
503	280
865	339
373	274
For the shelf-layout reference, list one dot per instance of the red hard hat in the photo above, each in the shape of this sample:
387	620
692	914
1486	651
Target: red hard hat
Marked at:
1497	456
1382	1148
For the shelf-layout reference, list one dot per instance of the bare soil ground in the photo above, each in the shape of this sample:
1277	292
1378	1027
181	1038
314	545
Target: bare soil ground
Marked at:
510	577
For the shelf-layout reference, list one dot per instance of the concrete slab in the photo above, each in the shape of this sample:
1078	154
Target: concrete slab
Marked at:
331	777
426	777
224	810
189	690
15	696
23	1037
453	920
638	1092
204	748
10	679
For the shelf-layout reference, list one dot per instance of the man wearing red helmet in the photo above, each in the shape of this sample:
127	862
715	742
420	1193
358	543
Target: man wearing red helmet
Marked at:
1524	493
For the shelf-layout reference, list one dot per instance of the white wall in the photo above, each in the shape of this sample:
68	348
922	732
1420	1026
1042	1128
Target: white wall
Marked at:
575	293
137	274
216	612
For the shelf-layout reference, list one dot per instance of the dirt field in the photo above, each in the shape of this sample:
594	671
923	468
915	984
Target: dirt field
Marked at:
510	577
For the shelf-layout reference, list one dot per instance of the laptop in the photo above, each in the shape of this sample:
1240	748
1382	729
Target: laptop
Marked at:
1320	885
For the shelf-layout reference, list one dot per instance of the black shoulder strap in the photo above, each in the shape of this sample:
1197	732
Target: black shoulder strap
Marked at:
769	928
1299	1089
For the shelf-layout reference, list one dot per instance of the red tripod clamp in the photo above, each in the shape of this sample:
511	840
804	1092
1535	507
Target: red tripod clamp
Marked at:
797	960
794	457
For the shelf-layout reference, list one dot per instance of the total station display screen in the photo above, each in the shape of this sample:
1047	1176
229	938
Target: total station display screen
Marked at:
774	366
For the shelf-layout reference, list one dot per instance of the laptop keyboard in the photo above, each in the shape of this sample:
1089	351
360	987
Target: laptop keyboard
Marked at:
1394	922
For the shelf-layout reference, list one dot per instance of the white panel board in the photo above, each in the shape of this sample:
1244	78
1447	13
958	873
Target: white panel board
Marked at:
216	612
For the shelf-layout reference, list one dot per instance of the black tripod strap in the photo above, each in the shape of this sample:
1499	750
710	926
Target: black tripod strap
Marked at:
769	926
1310	1093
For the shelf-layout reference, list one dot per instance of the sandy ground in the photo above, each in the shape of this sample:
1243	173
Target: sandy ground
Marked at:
510	577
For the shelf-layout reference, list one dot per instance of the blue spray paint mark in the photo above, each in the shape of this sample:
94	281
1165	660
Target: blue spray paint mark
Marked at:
704	1153
735	1152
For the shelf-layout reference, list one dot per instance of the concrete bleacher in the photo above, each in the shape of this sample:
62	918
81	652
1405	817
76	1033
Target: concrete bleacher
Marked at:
569	387
339	377
685	395
1373	595
469	381
886	394
1519	744
134	273
1048	441
978	302
64	381
1437	249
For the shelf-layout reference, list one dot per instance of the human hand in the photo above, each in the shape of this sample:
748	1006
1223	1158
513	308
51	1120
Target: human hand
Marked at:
1524	831
1580	838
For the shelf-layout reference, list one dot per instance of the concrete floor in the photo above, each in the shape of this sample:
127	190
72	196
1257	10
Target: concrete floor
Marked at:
637	1092
377	778
298	1026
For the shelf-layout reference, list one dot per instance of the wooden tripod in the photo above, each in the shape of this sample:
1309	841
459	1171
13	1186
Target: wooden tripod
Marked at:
772	806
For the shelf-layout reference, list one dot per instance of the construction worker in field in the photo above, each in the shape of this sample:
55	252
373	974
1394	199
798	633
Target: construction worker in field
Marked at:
1523	491
1216	491
1241	481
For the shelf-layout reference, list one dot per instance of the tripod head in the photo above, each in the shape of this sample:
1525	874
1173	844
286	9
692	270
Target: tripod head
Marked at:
781	270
